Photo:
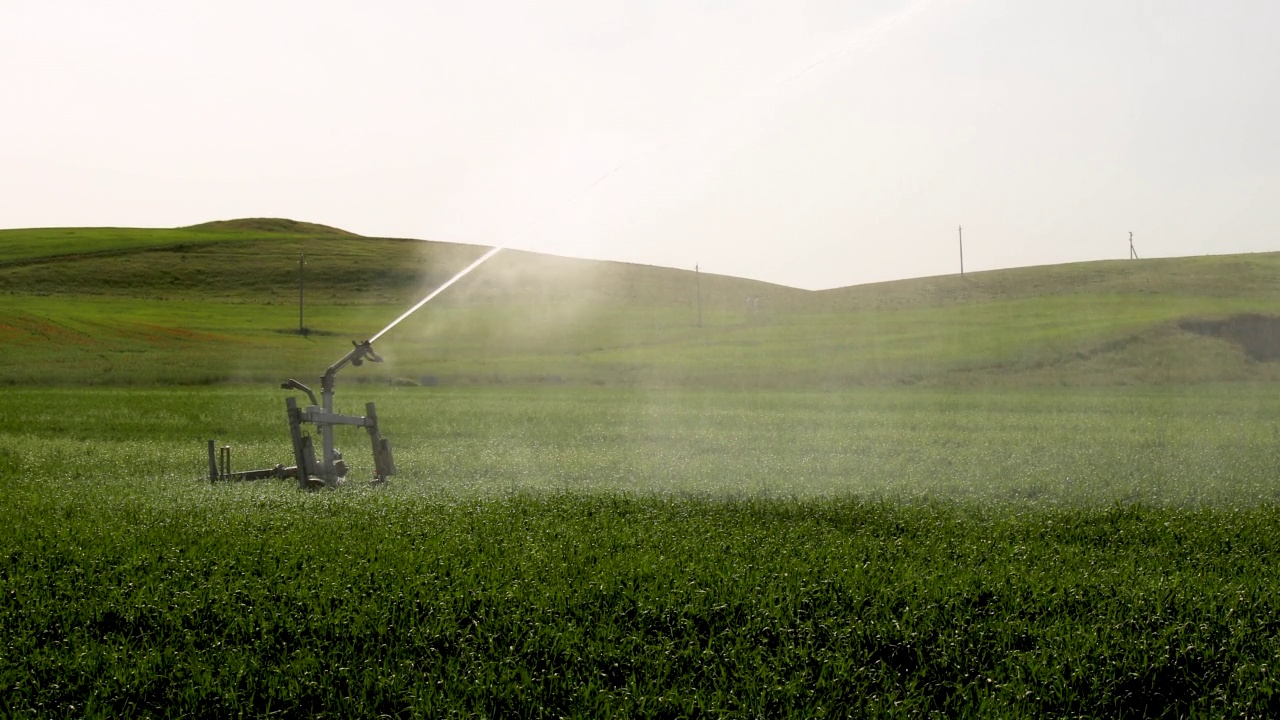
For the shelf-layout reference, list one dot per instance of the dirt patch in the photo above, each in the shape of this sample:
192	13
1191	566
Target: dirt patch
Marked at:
1259	335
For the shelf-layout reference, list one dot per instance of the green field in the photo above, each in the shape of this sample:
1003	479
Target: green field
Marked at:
218	304
1041	492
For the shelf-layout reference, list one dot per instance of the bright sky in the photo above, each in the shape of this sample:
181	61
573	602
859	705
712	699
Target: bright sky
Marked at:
814	143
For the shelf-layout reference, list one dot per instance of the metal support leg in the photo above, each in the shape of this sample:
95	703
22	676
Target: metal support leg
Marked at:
383	465
305	469
224	459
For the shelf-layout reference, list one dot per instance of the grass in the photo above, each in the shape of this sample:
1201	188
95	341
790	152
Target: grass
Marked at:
1026	493
112	306
1097	340
1214	446
583	607
608	552
22	246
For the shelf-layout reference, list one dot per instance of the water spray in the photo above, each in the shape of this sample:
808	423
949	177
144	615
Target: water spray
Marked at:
329	470
437	291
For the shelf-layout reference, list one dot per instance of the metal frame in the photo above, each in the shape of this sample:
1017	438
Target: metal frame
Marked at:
329	470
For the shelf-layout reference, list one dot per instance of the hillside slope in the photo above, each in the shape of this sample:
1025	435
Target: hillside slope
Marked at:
218	302
256	261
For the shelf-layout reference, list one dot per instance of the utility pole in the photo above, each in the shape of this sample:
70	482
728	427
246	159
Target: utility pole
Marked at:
1133	254
697	280
302	328
962	251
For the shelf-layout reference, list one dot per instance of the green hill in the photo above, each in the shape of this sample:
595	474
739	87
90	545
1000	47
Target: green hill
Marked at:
218	302
19	247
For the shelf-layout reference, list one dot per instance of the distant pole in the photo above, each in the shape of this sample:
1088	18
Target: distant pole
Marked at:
1133	254
962	250
697	280
302	328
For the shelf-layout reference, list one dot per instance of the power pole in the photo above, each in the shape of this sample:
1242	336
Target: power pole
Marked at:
697	280
1133	254
302	328
962	251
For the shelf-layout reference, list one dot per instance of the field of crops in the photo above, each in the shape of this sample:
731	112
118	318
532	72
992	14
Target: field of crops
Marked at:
629	491
578	552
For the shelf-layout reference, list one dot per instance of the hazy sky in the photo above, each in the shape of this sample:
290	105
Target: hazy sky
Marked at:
814	143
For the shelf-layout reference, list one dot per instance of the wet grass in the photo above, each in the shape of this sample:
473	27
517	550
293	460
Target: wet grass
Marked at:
635	516
587	553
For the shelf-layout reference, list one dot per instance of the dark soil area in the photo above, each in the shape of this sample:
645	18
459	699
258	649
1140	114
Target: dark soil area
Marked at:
1259	335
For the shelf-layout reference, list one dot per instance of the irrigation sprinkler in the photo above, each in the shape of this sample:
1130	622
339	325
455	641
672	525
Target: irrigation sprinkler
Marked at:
329	470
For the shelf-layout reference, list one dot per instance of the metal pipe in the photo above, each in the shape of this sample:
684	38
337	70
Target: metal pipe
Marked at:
292	384
359	353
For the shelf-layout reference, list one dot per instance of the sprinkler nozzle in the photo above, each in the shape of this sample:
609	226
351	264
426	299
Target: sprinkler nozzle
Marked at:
363	351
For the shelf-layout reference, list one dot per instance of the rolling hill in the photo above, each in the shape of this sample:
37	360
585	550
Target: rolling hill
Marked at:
218	302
